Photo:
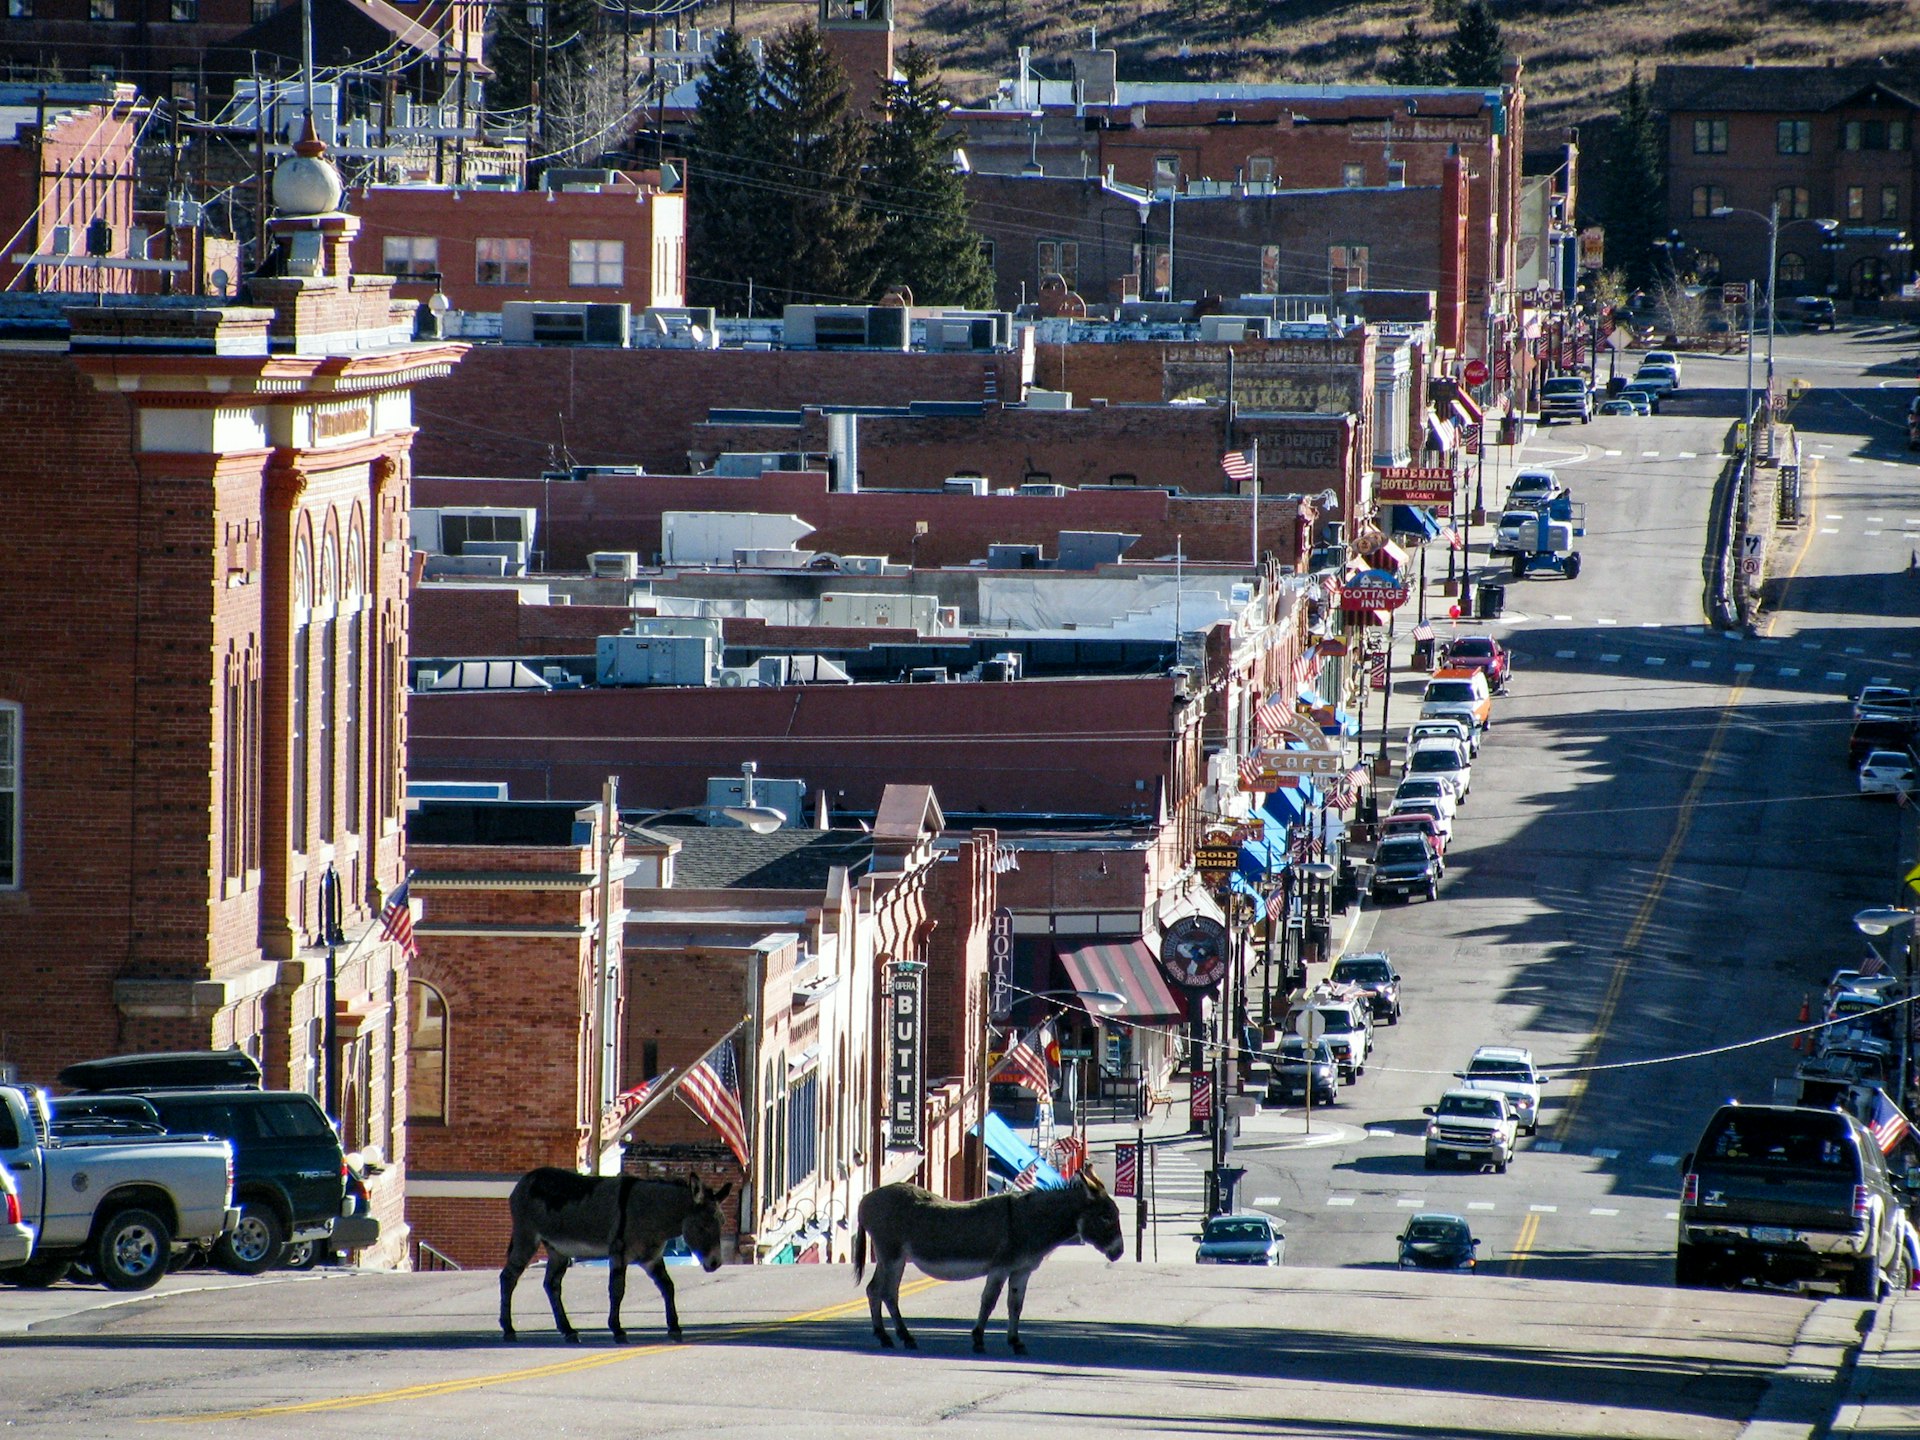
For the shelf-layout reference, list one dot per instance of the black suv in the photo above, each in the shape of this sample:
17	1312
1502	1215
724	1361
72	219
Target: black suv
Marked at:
1781	1193
1373	972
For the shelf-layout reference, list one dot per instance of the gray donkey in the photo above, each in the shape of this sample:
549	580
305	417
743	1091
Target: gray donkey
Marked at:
620	1217
1003	1238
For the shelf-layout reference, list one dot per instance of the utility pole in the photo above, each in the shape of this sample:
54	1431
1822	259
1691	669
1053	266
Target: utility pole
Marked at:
596	1036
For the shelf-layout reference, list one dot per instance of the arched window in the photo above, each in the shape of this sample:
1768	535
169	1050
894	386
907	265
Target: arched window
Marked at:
297	726
325	730
353	590
426	1052
1793	268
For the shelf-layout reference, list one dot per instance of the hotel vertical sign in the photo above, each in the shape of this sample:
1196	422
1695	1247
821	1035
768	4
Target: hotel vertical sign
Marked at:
906	1091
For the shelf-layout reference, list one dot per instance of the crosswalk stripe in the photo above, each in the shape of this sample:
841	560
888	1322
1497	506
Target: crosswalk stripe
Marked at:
1544	1209
1411	1202
1786	671
1480	1205
1548	1147
1339	1199
1602	1210
1606	1154
1266	1200
1663	1159
1563	654
1651	660
1702	664
1609	659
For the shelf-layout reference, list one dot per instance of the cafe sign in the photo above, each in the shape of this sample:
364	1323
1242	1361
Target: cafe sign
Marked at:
1275	769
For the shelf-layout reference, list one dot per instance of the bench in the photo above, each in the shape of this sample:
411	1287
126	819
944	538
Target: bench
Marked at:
1151	1100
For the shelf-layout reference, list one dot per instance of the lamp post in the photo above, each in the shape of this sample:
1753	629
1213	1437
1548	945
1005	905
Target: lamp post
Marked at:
1878	920
1772	217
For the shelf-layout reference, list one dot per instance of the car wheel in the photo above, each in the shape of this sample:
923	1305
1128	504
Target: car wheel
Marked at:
36	1274
1519	566
131	1250
1689	1268
1393	1017
300	1255
1573	566
254	1243
1432	1164
1500	1165
1863	1281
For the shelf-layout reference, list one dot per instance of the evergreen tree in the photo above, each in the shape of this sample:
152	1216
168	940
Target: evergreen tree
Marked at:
1475	52
925	239
1414	61
520	32
727	204
818	233
1631	203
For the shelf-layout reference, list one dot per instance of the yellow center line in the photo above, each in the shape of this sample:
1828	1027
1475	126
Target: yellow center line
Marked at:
575	1366
1682	826
1529	1232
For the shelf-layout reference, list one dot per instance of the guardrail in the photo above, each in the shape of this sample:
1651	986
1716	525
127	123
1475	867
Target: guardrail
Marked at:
426	1258
1725	601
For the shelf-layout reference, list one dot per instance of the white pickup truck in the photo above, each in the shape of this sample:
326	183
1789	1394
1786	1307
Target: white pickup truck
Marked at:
120	1205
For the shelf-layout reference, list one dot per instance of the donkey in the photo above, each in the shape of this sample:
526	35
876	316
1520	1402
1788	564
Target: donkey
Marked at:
1004	1238
621	1217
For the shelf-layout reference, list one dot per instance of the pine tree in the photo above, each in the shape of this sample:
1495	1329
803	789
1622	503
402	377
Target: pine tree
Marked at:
515	43
1631	202
1475	53
1414	61
819	234
926	240
727	203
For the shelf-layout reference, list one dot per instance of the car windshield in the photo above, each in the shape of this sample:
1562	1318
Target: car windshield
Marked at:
1417	790
1434	762
1401	850
1770	1140
1450	692
1229	1228
1500	1070
1477	647
1436	1232
1479	1107
1364	971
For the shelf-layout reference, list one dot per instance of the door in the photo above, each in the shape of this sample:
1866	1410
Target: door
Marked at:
20	1153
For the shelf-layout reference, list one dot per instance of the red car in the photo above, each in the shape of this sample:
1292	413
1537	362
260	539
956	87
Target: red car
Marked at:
1482	653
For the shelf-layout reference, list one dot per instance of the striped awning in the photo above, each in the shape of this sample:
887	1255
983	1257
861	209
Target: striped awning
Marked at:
1130	970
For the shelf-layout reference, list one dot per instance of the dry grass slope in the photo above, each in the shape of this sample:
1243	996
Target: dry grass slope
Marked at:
1577	52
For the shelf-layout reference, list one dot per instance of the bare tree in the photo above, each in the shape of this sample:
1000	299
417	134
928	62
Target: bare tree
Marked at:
1684	307
588	109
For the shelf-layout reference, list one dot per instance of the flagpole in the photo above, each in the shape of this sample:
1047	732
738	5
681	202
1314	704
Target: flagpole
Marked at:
673	1085
1256	506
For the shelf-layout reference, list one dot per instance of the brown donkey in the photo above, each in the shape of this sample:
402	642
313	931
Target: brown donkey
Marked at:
1002	1238
622	1218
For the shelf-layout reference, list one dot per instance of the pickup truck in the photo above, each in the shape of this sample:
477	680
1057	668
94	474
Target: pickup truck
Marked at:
120	1205
1471	1127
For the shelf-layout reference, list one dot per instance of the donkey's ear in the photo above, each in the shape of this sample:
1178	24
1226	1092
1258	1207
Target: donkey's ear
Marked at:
716	1196
1091	1181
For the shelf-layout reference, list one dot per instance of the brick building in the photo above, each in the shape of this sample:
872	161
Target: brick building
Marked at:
518	408
199	734
1824	142
618	242
66	162
1230	241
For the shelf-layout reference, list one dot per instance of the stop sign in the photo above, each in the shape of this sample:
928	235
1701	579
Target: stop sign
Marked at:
1475	372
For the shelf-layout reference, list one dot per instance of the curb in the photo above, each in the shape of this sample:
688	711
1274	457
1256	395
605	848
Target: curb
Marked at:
1798	1403
1863	1378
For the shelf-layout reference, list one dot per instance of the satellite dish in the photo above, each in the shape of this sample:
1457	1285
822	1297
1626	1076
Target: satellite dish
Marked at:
698	335
220	280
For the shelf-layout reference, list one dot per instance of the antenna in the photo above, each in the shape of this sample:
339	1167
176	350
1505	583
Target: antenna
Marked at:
306	54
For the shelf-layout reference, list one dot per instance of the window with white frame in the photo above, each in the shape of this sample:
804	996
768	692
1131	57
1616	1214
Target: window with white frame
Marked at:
502	262
597	262
417	255
9	796
426	1052
1062	258
1353	175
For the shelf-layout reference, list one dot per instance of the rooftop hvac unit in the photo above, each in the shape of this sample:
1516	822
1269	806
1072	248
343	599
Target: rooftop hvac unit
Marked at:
768	670
654	659
969	330
927	675
1220	329
965	484
863	564
1038	487
545	322
613	564
845	327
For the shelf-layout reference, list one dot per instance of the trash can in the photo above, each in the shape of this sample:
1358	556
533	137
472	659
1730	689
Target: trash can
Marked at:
1489	600
1423	654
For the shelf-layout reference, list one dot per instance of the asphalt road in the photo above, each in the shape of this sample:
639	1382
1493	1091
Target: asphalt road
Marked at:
1662	848
786	1351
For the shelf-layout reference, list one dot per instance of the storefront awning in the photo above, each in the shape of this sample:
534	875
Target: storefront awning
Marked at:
1439	434
1413	520
1465	410
1389	557
1263	855
1130	970
1014	1153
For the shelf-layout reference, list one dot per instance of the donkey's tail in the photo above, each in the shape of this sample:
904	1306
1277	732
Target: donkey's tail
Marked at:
859	1254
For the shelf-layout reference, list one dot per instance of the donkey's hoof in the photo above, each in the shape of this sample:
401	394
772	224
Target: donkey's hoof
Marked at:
1019	1346
886	1341
979	1343
572	1337
509	1336
907	1342
619	1337
677	1336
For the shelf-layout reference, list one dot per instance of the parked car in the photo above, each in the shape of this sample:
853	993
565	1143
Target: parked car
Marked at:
1783	1193
1471	1127
1657	377
1430	809
1508	1070
1349	1032
1447	759
1913	423
1511	529
1290	1071
16	1235
1436	1241
1425	826
1645	401
1618	407
119	1205
1405	866
1532	488
1482	653
1814	312
122	1115
1413	788
1373	972
1241	1239
1457	690
1879	730
1885	700
1566	397
1444	727
1887	772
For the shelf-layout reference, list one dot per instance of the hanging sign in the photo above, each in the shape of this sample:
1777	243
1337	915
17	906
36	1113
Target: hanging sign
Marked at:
903	1041
1000	964
1193	952
1374	590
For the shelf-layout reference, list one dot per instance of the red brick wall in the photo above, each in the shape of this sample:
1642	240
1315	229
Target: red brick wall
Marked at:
83	169
510	409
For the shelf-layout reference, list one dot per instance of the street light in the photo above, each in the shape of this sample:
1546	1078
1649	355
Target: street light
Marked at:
1879	920
1772	217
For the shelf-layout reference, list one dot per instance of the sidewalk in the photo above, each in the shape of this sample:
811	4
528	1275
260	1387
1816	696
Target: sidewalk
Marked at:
1883	1395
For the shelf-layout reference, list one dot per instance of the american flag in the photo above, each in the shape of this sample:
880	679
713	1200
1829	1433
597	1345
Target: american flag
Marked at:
1873	964
1068	1155
1276	904
1029	1175
626	1103
396	920
1268	717
712	1091
1200	1106
1126	1171
1302	847
1022	1065
1470	438
1889	1126
1238	465
1249	772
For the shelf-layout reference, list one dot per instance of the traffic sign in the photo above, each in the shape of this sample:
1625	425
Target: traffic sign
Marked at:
1309	1025
1475	372
1734	292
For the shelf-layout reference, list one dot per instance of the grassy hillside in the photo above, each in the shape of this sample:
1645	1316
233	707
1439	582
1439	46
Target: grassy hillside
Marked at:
1577	52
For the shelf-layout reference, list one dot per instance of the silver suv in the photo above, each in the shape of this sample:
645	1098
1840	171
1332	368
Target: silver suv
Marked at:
1508	1070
